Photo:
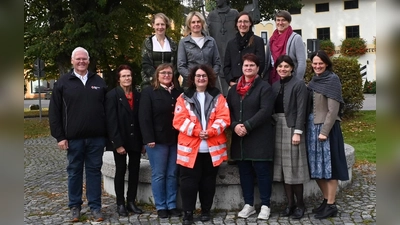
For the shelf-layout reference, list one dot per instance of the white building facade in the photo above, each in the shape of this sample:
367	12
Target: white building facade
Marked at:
335	20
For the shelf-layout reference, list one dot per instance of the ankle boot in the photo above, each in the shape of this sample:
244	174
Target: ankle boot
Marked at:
320	207
187	218
330	210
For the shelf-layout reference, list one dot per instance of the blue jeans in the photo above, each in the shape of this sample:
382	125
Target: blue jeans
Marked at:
263	170
86	152
164	180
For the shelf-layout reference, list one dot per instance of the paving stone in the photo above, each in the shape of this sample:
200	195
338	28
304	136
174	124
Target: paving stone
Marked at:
46	197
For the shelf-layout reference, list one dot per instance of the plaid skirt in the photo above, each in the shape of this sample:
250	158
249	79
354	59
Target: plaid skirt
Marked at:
290	161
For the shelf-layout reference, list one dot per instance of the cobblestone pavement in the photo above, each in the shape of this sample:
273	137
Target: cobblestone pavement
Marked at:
46	196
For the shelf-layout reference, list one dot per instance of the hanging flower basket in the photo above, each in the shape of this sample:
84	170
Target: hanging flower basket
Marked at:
353	47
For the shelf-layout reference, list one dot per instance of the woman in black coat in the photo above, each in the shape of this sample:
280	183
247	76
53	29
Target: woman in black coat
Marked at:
251	104
244	42
122	107
160	137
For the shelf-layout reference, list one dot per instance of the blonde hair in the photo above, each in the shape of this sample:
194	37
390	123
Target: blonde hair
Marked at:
163	17
189	20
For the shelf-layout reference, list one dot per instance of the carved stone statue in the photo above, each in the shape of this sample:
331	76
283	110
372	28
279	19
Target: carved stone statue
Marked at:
221	25
254	11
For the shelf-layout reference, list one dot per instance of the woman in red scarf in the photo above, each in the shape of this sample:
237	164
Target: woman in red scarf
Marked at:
286	42
251	104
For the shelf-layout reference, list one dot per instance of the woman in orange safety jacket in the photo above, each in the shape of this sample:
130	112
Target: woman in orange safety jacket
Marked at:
201	116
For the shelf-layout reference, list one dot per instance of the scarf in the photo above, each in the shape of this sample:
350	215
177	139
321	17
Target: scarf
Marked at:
243	87
243	41
327	84
278	43
169	89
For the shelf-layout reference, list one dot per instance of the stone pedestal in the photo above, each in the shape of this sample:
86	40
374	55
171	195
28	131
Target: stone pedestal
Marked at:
228	194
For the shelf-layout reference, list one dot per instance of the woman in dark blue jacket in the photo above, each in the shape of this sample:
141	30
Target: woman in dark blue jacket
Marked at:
122	107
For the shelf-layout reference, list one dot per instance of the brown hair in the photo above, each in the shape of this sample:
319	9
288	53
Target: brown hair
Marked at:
285	14
251	57
210	75
163	17
251	40
156	82
124	67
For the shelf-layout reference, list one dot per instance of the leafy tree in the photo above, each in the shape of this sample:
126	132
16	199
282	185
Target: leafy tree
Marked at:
111	30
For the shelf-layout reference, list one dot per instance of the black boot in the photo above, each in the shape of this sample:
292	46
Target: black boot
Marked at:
187	218
330	210
205	215
320	207
131	207
122	210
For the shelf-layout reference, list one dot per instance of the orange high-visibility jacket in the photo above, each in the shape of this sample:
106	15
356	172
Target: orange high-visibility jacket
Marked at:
189	126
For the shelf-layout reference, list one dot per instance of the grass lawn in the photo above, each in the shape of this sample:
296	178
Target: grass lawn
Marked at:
359	131
33	128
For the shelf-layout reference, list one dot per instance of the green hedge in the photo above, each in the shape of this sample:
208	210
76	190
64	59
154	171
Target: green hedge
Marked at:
348	70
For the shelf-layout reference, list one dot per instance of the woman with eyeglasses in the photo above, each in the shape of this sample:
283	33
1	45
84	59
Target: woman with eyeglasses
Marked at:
156	112
244	42
201	116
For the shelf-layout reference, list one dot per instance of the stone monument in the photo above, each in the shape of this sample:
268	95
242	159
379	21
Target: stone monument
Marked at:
221	25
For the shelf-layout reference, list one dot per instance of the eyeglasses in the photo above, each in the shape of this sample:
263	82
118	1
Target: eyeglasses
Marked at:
165	73
201	76
243	21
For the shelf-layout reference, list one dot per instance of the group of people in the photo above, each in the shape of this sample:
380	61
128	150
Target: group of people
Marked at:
282	129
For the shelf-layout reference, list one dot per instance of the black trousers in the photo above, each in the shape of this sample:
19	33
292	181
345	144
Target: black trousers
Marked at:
133	176
199	179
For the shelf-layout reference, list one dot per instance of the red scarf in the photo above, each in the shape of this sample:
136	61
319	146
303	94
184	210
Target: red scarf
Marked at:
242	86
129	97
278	43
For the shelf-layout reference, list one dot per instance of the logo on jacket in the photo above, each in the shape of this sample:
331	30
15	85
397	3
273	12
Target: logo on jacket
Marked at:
95	87
178	109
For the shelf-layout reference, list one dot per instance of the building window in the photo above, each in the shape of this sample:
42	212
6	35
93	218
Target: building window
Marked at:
352	4
324	33
352	31
322	7
297	31
264	36
294	11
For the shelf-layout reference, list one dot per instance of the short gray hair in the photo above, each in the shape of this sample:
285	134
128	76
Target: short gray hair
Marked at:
79	49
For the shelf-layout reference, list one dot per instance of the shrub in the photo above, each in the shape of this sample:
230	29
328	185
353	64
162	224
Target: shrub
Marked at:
353	47
370	87
327	46
348	70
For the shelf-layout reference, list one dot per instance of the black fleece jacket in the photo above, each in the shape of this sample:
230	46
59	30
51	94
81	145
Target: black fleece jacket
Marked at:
77	110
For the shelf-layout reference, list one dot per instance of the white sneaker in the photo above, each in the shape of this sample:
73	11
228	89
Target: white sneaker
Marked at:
247	211
264	213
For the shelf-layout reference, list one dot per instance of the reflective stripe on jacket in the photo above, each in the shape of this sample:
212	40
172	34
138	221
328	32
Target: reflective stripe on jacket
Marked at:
188	122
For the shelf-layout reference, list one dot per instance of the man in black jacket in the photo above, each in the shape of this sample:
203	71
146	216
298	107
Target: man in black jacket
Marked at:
77	121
